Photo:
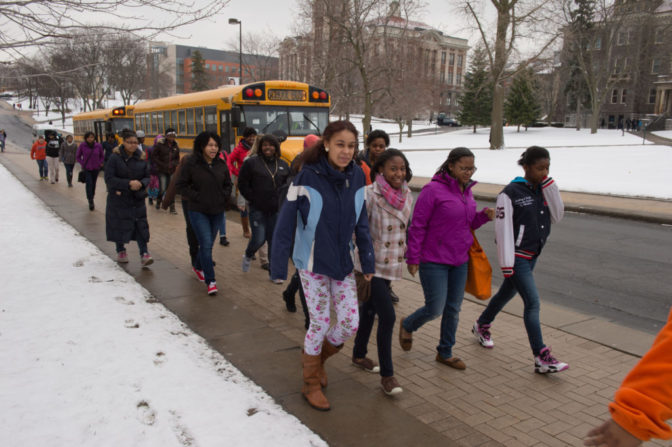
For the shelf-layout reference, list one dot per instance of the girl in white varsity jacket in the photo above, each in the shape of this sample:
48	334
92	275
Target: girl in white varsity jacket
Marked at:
526	208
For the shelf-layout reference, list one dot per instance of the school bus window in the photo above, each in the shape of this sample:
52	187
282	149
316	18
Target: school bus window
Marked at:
307	120
211	119
166	119
198	120
159	123
183	122
190	122
173	119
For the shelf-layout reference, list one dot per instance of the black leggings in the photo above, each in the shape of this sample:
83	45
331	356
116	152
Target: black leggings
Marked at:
380	303
292	288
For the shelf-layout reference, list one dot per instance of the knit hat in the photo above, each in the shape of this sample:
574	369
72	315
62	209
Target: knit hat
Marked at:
310	140
140	134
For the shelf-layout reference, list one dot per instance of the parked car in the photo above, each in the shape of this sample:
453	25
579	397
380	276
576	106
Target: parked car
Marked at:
452	122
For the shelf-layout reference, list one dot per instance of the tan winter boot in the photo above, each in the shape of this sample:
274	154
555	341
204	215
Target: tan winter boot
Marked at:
327	351
245	222
311	382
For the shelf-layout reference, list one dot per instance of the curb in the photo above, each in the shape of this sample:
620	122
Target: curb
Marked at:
584	209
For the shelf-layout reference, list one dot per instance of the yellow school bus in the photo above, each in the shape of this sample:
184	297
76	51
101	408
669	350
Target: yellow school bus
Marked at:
102	121
295	108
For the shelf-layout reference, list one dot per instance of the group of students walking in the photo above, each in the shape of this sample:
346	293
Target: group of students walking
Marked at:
349	223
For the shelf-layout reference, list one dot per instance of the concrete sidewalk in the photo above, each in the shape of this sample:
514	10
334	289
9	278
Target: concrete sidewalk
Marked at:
497	401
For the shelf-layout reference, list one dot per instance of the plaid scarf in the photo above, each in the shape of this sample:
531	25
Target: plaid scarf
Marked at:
395	197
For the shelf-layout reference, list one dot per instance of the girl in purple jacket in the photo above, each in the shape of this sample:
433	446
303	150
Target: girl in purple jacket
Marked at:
438	246
91	157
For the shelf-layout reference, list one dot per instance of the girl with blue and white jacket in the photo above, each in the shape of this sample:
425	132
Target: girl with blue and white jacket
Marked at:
526	208
325	205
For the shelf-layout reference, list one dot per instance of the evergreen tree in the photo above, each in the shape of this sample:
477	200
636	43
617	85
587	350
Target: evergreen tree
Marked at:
199	80
476	99
576	87
521	105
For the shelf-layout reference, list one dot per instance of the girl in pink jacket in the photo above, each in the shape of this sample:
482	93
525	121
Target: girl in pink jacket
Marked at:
438	246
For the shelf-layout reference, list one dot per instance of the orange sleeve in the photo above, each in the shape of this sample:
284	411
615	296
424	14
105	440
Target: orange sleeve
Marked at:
367	172
32	151
644	401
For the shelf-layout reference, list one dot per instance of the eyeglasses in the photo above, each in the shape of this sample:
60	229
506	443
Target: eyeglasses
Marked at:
467	168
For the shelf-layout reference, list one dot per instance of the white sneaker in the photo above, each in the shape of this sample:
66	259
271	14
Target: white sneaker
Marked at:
546	363
482	334
246	263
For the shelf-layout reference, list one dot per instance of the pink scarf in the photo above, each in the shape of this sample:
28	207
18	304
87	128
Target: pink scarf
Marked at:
395	197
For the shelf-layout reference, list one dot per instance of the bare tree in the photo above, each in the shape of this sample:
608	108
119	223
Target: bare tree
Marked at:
126	65
601	46
516	21
408	91
27	72
87	51
362	29
56	84
38	21
260	55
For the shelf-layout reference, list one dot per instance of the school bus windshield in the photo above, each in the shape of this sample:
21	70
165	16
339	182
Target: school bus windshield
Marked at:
120	124
295	121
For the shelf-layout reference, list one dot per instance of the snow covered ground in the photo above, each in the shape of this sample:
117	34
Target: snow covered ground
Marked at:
664	133
88	358
607	162
604	163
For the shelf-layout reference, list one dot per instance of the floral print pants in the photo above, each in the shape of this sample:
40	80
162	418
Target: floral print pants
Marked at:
321	293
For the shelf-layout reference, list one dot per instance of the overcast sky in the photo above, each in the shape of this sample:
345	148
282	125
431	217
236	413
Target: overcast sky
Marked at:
277	17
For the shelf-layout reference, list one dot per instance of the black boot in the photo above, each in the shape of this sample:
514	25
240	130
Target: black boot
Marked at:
91	205
290	301
393	296
158	203
223	241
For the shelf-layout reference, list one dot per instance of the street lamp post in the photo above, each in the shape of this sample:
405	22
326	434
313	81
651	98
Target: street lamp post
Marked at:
240	47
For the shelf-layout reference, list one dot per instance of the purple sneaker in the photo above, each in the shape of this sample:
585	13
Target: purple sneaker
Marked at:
546	363
482	334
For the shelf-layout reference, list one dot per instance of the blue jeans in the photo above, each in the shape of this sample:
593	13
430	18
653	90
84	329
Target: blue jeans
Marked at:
43	168
443	286
142	246
522	282
205	227
222	226
68	171
262	226
91	179
164	181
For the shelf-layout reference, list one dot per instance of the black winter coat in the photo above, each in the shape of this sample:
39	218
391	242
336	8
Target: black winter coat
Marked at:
126	213
165	157
261	180
207	187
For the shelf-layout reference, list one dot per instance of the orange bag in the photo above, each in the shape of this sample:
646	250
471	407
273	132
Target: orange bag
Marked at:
479	274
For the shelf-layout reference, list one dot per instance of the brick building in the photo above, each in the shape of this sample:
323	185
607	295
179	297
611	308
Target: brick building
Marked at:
221	66
633	48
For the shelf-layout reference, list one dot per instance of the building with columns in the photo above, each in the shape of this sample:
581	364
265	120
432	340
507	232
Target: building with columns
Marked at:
431	61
